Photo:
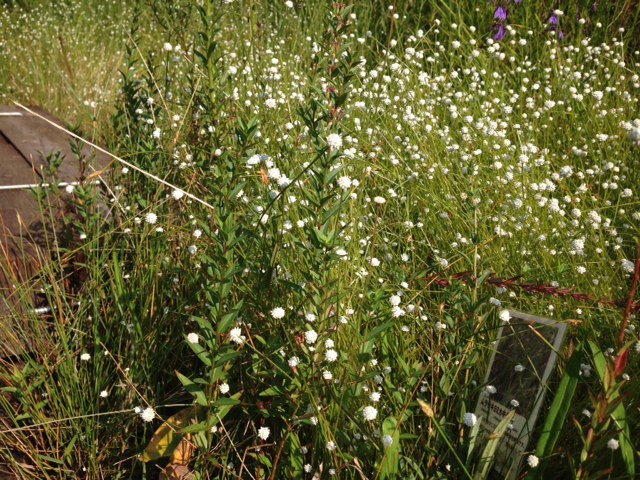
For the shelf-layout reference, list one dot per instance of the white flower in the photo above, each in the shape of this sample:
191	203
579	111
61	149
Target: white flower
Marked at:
104	394
515	403
375	262
224	388
344	183
85	357
293	362
310	317
156	133
613	444
395	300
193	338
167	47
374	397
331	445
177	194
518	368
470	419
491	389
148	414
192	249
197	233
327	375
235	336
310	336
369	413
379	200
387	440
628	266
270	103
151	218
331	355
334	141
504	315
533	461
263	433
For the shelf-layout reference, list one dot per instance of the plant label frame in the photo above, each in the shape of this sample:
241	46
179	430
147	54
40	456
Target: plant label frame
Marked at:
524	356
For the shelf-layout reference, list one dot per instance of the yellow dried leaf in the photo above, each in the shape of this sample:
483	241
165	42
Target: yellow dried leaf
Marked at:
167	437
426	408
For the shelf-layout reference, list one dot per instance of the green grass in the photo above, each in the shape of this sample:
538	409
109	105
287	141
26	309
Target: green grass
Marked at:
307	275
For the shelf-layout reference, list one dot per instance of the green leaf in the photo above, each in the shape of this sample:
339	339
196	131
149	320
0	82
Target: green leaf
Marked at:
389	467
227	320
194	389
379	329
558	413
619	415
492	445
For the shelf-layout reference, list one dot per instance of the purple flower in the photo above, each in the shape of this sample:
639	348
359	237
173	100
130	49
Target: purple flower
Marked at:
500	14
553	20
501	32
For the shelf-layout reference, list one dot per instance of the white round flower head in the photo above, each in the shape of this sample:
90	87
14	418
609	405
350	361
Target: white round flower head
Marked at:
177	194
331	445
518	368
628	266
374	396
85	357
387	440
224	388
167	47
331	355
263	433
334	141
148	414
379	200
470	419
293	362
533	461
151	218
104	394
193	338
192	249
395	300
613	444
278	313
344	183
504	315
235	335
270	103
310	336
369	413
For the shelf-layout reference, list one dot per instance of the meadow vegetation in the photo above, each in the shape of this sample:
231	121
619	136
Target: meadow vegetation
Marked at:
311	290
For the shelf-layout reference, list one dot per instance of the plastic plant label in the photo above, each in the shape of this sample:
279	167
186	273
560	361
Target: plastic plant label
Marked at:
523	358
